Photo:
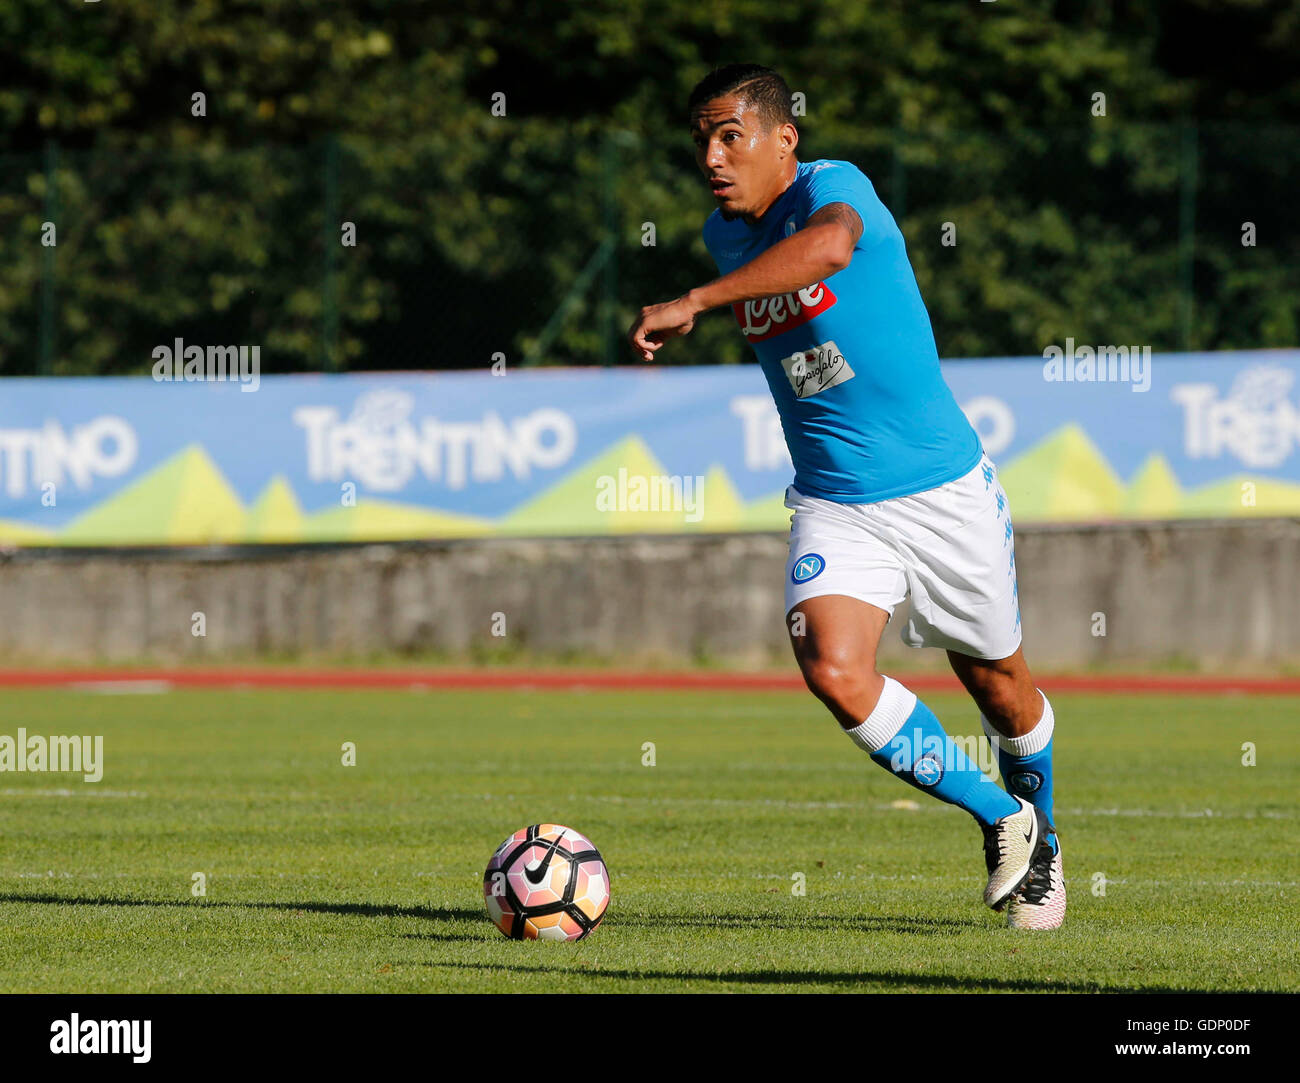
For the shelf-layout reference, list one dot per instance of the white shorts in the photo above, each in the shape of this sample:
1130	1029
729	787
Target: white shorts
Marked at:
950	548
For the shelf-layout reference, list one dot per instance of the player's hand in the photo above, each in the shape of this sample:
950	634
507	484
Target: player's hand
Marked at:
658	323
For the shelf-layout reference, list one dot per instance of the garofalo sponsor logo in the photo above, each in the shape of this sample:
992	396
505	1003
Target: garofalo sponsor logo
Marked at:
77	1035
211	364
811	371
80	755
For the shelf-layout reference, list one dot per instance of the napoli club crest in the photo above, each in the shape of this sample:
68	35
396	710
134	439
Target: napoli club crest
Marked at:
1026	781
809	566
928	770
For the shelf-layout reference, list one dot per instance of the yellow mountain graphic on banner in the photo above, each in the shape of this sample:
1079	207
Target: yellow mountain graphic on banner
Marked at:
767	513
1241	496
12	533
185	500
1154	492
276	515
626	490
380	520
720	507
570	505
1062	479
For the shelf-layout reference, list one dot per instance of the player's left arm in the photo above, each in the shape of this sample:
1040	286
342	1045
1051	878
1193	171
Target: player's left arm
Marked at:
823	247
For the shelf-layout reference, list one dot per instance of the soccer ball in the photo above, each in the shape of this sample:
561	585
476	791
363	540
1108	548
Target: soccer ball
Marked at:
546	882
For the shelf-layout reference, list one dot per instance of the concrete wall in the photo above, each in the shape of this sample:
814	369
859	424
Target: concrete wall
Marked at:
1219	594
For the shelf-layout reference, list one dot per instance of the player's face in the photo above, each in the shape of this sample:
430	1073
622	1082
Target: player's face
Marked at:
741	158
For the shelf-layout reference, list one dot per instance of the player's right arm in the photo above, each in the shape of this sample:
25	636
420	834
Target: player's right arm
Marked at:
812	254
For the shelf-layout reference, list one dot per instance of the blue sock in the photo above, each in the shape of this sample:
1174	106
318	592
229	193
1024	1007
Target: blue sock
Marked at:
922	754
1026	762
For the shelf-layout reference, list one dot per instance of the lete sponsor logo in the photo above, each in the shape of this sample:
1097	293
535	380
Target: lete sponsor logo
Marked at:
768	317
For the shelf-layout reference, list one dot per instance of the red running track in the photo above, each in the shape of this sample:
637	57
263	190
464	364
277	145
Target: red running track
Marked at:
282	677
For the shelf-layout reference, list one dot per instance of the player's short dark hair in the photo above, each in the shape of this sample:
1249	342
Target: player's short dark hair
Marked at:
759	86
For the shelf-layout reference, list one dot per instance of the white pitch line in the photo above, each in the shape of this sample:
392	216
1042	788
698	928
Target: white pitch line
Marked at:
954	878
89	791
225	876
1191	814
725	802
946	878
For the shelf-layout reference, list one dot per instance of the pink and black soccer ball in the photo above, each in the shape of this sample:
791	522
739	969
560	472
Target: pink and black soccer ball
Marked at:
546	882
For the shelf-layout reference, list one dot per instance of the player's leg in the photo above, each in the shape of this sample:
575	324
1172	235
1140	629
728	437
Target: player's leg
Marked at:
844	577
1003	689
958	547
1019	723
834	638
1017	719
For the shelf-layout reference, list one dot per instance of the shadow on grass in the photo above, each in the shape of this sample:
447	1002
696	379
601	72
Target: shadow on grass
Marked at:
766	922
937	983
369	910
760	922
910	925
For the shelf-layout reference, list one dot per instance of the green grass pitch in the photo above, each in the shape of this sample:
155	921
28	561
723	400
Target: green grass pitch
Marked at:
322	877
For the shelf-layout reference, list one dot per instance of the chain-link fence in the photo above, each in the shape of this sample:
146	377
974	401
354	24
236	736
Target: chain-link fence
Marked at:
369	254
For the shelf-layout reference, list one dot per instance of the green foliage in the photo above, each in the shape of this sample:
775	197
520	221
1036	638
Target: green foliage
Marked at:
472	228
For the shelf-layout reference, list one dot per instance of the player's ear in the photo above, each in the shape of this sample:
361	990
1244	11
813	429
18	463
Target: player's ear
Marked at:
789	138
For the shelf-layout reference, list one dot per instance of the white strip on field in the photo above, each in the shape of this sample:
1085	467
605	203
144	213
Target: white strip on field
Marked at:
903	805
52	875
1190	814
909	806
667	875
91	790
122	688
1111	881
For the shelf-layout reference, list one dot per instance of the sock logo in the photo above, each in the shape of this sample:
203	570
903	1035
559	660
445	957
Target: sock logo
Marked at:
1026	781
928	770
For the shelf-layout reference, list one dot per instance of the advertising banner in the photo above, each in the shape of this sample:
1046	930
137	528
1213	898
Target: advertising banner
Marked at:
1080	435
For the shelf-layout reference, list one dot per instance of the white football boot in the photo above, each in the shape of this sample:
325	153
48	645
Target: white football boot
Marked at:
1010	846
1040	902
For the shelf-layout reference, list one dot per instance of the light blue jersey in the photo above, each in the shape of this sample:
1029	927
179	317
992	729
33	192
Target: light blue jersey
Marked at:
851	361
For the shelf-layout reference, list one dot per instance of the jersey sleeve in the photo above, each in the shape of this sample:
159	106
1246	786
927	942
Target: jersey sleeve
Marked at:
709	239
843	182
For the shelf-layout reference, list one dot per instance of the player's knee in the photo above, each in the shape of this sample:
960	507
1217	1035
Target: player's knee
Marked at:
836	681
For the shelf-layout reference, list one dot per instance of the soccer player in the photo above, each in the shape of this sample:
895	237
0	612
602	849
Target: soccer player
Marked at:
893	494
